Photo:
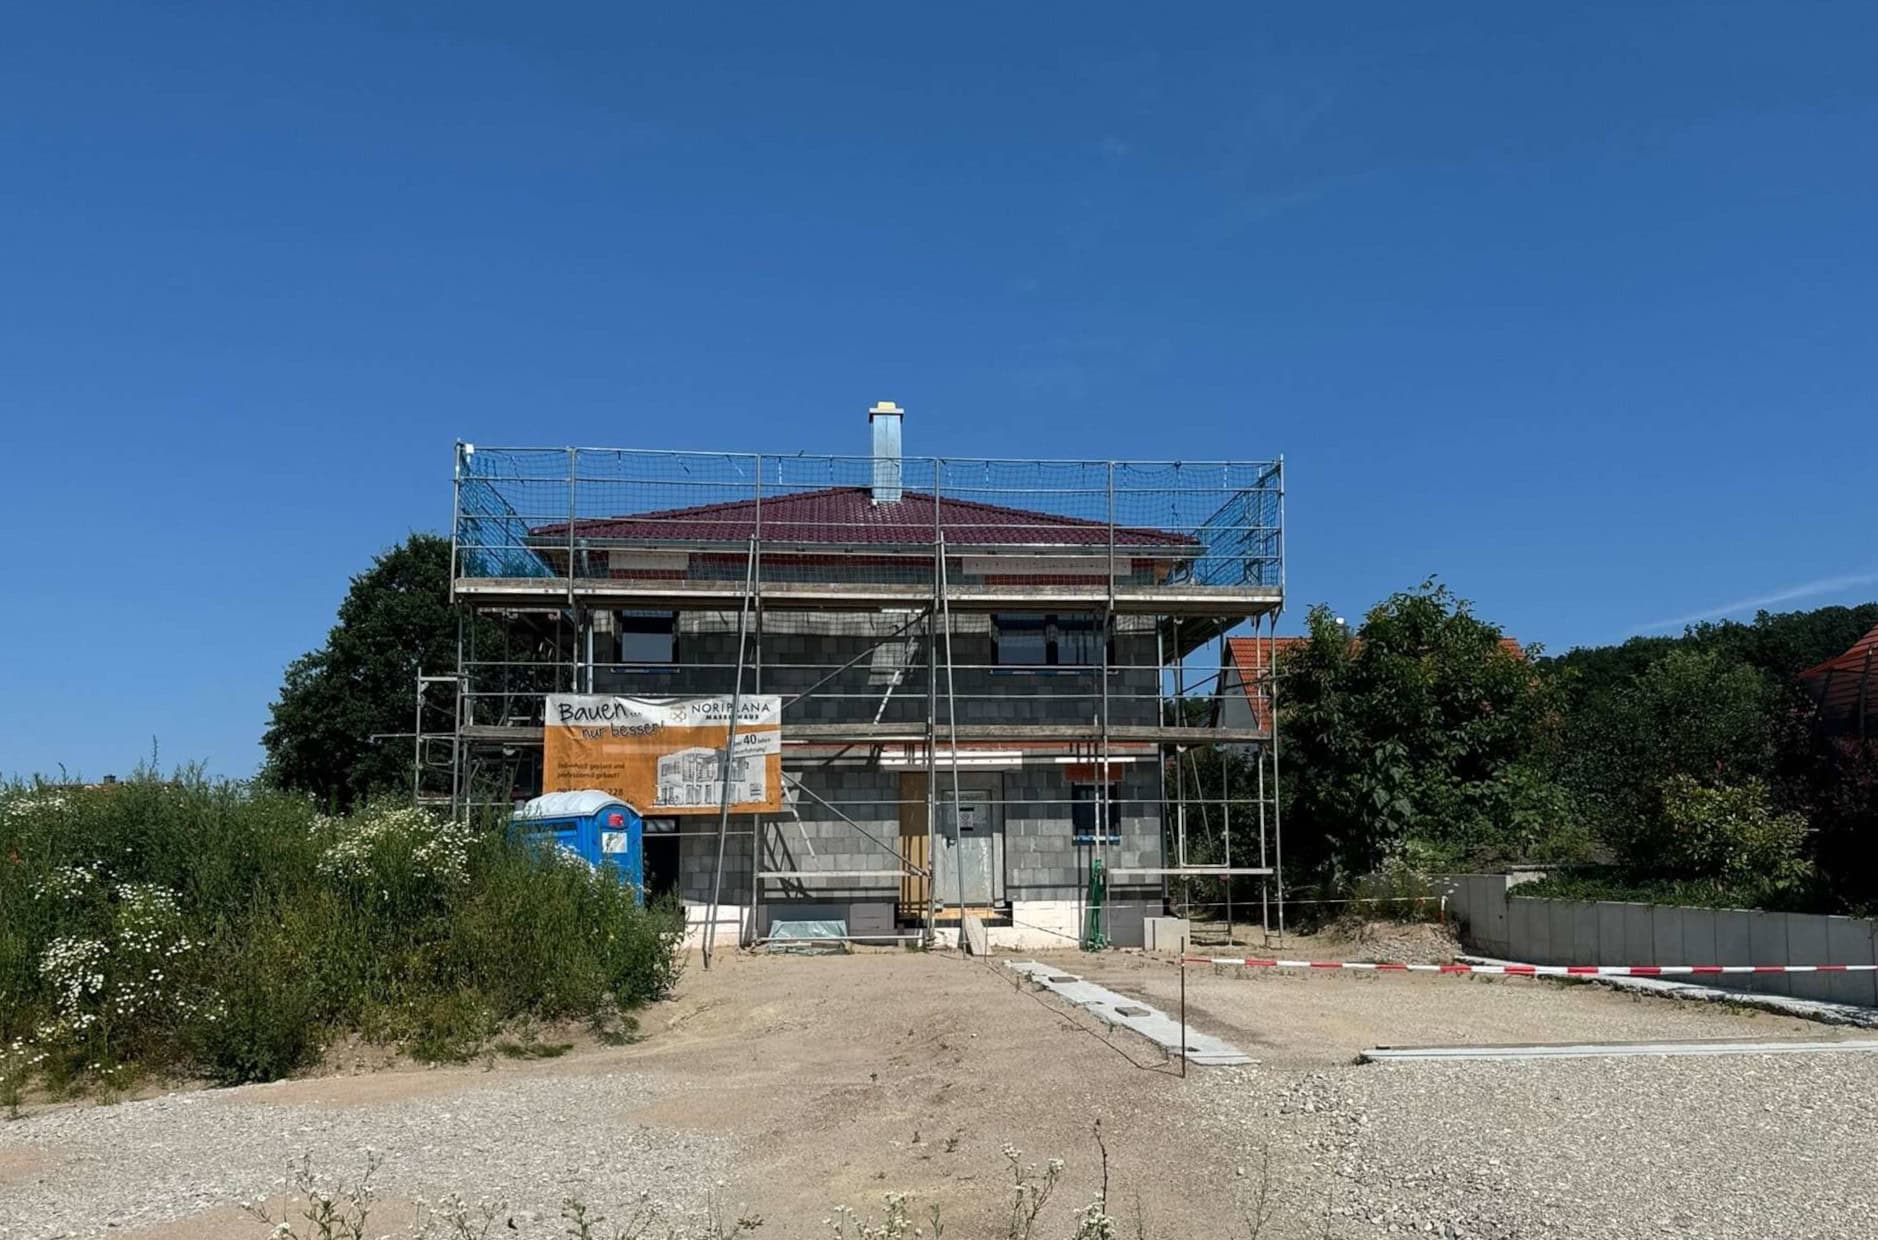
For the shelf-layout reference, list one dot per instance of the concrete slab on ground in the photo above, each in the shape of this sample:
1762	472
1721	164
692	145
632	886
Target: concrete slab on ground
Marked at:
1132	1014
1592	1050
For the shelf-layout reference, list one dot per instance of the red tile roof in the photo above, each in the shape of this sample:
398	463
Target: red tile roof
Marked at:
1252	657
1839	683
1852	658
849	516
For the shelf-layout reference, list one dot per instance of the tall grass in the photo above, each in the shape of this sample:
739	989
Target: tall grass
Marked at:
189	925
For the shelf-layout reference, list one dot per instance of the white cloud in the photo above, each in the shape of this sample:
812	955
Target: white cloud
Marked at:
1810	589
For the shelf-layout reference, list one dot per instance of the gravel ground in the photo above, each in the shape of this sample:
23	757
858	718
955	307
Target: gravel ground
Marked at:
530	1141
1608	1148
795	1084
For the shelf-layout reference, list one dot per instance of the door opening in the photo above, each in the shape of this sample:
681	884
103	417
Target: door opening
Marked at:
661	858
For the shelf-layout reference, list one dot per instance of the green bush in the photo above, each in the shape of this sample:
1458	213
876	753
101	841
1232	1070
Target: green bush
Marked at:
1397	890
1630	888
1731	834
266	1017
1715	846
194	926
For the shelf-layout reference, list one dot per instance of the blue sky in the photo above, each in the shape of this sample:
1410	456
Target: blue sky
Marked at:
1572	305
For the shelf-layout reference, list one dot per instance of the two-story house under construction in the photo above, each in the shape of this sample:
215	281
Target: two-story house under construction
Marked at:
983	666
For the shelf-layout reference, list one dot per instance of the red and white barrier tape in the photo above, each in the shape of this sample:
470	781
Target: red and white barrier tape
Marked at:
1533	970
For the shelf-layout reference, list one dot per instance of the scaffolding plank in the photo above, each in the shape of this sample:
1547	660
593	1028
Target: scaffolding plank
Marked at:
1191	871
886	733
1161	600
793	874
1027	731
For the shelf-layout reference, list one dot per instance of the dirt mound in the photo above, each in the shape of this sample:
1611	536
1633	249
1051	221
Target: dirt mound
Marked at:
1406	942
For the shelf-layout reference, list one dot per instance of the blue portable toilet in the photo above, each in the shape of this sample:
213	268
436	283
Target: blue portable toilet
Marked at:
595	826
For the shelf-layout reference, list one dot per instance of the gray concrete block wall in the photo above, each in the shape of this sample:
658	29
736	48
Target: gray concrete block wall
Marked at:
1767	944
1525	930
795	662
1639	938
1585	927
697	860
1806	944
816	838
1698	934
1849	941
1042	860
1734	945
1561	930
1666	937
1480	903
1610	938
1544	931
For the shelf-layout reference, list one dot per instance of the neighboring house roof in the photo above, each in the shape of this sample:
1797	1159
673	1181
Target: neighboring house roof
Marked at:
848	516
1864	648
1843	685
1252	657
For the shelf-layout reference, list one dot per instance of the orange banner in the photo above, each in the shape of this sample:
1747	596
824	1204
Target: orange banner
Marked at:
665	755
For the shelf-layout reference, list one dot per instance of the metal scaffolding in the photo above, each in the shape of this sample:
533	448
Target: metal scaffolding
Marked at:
1079	591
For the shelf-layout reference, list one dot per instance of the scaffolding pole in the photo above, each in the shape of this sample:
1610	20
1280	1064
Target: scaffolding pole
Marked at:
1104	792
952	723
730	741
1160	753
1278	834
932	730
1265	909
757	824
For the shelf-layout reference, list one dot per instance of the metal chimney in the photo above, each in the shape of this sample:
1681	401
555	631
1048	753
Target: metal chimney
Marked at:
884	420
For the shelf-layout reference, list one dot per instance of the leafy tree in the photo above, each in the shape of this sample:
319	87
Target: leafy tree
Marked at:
1834	781
1587	671
1691	713
1663	728
1420	730
1777	644
1786	644
396	618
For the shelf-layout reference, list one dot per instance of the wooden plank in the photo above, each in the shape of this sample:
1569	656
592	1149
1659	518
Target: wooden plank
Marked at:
951	913
977	942
915	889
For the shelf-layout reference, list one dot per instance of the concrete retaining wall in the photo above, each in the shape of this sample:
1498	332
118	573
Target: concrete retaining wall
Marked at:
1499	922
1479	902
